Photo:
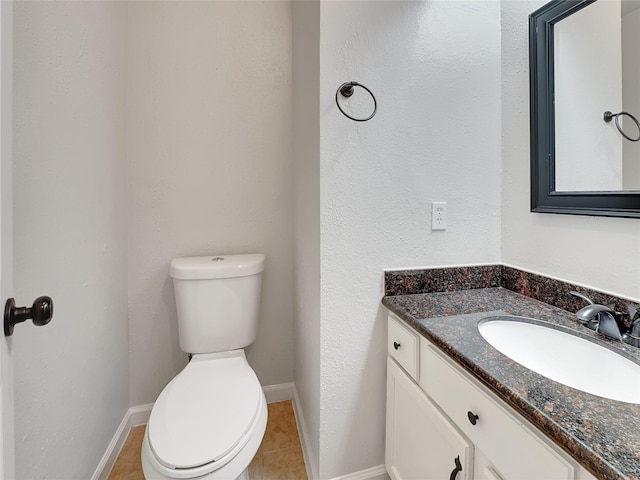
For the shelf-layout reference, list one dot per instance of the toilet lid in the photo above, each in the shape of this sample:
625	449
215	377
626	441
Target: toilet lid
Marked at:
204	412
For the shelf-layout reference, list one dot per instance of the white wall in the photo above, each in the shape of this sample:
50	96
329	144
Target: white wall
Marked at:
7	462
631	97
71	388
588	82
209	153
599	252
306	150
435	69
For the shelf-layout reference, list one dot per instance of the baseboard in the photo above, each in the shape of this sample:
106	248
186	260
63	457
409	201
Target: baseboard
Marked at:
303	433
373	473
137	415
109	458
280	392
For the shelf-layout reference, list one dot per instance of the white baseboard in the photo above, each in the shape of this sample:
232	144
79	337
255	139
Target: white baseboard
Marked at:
373	473
280	392
109	458
137	415
303	433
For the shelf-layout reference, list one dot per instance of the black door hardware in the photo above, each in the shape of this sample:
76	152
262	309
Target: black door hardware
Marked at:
40	312
457	469
473	418
396	345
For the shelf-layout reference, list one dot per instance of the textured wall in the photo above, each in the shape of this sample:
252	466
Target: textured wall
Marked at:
209	153
306	150
435	68
599	252
71	377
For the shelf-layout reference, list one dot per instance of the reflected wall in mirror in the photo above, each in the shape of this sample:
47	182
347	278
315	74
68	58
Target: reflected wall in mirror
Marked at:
584	61
597	69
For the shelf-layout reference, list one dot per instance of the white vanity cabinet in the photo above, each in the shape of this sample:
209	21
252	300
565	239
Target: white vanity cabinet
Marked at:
513	449
437	412
421	442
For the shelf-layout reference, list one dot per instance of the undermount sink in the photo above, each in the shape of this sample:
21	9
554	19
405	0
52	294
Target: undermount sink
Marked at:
563	357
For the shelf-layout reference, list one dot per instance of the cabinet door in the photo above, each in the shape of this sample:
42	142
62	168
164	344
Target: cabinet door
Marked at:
483	468
421	444
515	450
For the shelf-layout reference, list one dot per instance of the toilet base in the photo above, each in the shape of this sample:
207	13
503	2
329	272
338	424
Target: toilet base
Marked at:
244	475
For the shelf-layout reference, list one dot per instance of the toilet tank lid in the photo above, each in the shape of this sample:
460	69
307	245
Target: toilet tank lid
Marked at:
216	266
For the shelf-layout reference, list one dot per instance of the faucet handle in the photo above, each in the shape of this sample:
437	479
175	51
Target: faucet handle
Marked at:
635	328
592	316
590	312
583	297
633	336
608	326
607	322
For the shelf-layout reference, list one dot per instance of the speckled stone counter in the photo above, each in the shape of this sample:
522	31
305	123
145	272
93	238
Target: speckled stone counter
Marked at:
602	435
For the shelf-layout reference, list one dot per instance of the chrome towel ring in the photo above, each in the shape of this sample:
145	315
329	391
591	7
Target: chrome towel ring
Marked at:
346	90
608	116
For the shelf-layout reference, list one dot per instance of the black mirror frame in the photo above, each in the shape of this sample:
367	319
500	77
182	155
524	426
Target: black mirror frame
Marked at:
544	198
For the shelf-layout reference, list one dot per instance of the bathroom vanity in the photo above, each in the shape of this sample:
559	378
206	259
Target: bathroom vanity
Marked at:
459	409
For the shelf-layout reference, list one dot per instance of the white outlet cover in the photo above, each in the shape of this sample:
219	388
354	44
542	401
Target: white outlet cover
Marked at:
438	215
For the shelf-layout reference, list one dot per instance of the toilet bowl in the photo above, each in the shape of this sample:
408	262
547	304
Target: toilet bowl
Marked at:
208	422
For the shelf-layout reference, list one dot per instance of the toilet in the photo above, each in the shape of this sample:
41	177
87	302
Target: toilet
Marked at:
209	421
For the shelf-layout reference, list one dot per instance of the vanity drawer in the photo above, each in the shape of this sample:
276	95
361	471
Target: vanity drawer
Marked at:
514	448
402	345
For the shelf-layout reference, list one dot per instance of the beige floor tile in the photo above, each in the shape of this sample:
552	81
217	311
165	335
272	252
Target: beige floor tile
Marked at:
256	467
279	456
281	430
127	466
284	464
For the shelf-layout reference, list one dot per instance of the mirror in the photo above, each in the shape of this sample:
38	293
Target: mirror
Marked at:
584	62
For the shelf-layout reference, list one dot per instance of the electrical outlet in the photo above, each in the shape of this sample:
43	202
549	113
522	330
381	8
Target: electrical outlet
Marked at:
438	215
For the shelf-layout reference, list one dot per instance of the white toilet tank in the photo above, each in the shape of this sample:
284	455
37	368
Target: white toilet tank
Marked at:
217	299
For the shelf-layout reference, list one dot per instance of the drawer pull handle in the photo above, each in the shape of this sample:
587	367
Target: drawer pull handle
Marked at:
396	345
473	418
458	468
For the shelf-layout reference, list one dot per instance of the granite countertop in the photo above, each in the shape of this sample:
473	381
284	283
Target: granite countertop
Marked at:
602	435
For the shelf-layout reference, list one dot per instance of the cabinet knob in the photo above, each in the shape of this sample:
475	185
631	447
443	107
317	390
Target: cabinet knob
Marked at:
473	418
396	345
458	468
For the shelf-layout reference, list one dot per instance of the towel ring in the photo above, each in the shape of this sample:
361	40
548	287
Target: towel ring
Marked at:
608	116
346	90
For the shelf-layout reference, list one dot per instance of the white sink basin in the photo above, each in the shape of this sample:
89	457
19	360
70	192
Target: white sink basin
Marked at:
565	358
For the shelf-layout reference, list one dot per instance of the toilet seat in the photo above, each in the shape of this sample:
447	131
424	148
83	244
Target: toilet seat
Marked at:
206	414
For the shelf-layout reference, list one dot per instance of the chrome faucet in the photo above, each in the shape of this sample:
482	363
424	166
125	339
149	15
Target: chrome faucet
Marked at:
600	318
608	322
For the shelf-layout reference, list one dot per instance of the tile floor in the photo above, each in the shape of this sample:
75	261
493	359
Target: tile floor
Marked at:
279	456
